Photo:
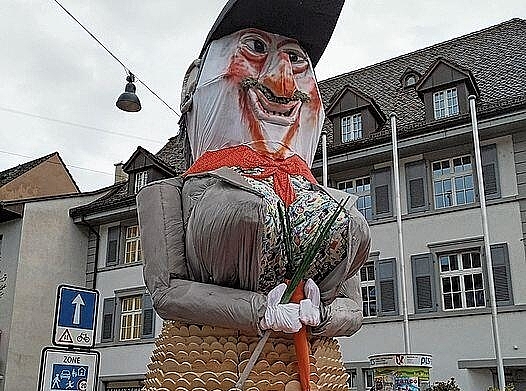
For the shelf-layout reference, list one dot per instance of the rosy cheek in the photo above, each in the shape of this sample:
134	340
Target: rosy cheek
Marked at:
241	67
313	107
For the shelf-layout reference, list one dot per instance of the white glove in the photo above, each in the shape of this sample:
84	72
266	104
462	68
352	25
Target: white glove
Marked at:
280	317
310	306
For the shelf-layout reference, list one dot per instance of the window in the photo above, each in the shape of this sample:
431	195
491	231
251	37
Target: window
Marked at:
445	103
141	179
362	189
131	314
461	280
453	182
352	379
410	80
368	288
133	245
368	378
123	244
351	127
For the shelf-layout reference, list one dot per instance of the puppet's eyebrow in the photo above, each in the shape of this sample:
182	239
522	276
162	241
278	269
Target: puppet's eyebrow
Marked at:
287	41
262	34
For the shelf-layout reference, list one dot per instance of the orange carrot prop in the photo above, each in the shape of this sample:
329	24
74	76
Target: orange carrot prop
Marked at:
301	343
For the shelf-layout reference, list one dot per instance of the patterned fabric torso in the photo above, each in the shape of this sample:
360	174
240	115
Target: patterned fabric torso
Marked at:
311	208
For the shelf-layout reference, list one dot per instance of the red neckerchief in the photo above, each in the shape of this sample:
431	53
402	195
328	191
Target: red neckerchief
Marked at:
246	158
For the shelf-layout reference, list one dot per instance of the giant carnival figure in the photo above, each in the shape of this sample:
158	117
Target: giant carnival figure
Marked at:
213	239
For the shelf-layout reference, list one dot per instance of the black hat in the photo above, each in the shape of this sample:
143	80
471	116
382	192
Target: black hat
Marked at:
310	22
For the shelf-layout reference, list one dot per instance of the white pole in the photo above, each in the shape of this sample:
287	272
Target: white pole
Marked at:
407	338
324	158
487	249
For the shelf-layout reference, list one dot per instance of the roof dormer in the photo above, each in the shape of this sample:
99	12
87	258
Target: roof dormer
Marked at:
444	88
144	167
354	115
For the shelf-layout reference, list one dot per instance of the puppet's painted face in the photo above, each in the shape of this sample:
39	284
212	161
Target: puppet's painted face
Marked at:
269	89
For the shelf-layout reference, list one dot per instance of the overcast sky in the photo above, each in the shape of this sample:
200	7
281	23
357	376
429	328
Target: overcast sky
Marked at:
50	67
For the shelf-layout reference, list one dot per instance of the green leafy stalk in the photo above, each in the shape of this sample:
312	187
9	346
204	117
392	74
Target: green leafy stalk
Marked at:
313	247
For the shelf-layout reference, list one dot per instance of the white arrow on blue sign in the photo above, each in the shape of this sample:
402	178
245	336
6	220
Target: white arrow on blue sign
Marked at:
75	317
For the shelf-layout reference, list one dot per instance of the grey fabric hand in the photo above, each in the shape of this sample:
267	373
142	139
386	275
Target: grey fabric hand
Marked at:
280	317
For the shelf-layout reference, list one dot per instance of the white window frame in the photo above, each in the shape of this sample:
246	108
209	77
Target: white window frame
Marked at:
351	127
461	273
445	103
141	179
453	181
133	251
361	187
366	283
130	326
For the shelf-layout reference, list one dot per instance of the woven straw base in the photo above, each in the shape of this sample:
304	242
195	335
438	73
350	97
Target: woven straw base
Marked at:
207	358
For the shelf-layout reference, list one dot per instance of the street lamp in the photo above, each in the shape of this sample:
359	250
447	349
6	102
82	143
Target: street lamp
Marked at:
128	101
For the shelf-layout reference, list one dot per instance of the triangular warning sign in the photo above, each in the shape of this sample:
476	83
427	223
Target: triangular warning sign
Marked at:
66	337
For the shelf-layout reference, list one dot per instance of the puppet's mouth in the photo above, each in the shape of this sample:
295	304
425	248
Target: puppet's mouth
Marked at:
271	108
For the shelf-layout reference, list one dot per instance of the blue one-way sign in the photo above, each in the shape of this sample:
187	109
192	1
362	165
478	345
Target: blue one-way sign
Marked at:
75	316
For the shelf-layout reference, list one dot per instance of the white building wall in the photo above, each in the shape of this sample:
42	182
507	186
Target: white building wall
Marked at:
457	336
10	232
52	252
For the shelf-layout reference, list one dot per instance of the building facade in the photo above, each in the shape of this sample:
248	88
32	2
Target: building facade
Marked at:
40	248
446	276
445	273
127	323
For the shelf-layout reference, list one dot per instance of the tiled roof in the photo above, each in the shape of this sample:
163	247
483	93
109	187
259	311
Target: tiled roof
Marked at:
171	154
496	56
12	173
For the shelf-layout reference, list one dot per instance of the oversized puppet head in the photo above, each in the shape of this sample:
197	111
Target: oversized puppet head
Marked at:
255	84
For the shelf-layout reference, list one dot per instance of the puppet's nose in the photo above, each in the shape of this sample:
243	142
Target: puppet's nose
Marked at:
278	76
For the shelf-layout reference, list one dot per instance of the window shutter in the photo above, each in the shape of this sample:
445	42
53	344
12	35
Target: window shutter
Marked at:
148	317
423	283
381	184
490	171
386	286
112	250
416	181
108	314
501	274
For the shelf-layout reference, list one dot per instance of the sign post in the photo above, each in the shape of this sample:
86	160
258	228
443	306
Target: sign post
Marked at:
62	369
75	317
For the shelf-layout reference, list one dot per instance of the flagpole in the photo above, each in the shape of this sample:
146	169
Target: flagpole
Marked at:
407	339
487	249
324	158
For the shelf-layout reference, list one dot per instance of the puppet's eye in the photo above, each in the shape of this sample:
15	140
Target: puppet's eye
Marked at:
295	56
256	45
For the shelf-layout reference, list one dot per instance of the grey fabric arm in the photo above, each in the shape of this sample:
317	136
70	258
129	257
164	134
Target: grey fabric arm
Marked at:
159	207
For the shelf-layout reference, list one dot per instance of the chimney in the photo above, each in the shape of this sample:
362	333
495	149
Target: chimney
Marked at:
120	175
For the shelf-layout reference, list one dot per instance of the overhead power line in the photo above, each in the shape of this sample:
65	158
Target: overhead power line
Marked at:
116	58
67	165
19	112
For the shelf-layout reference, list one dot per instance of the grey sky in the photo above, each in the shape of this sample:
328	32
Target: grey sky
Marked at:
51	68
